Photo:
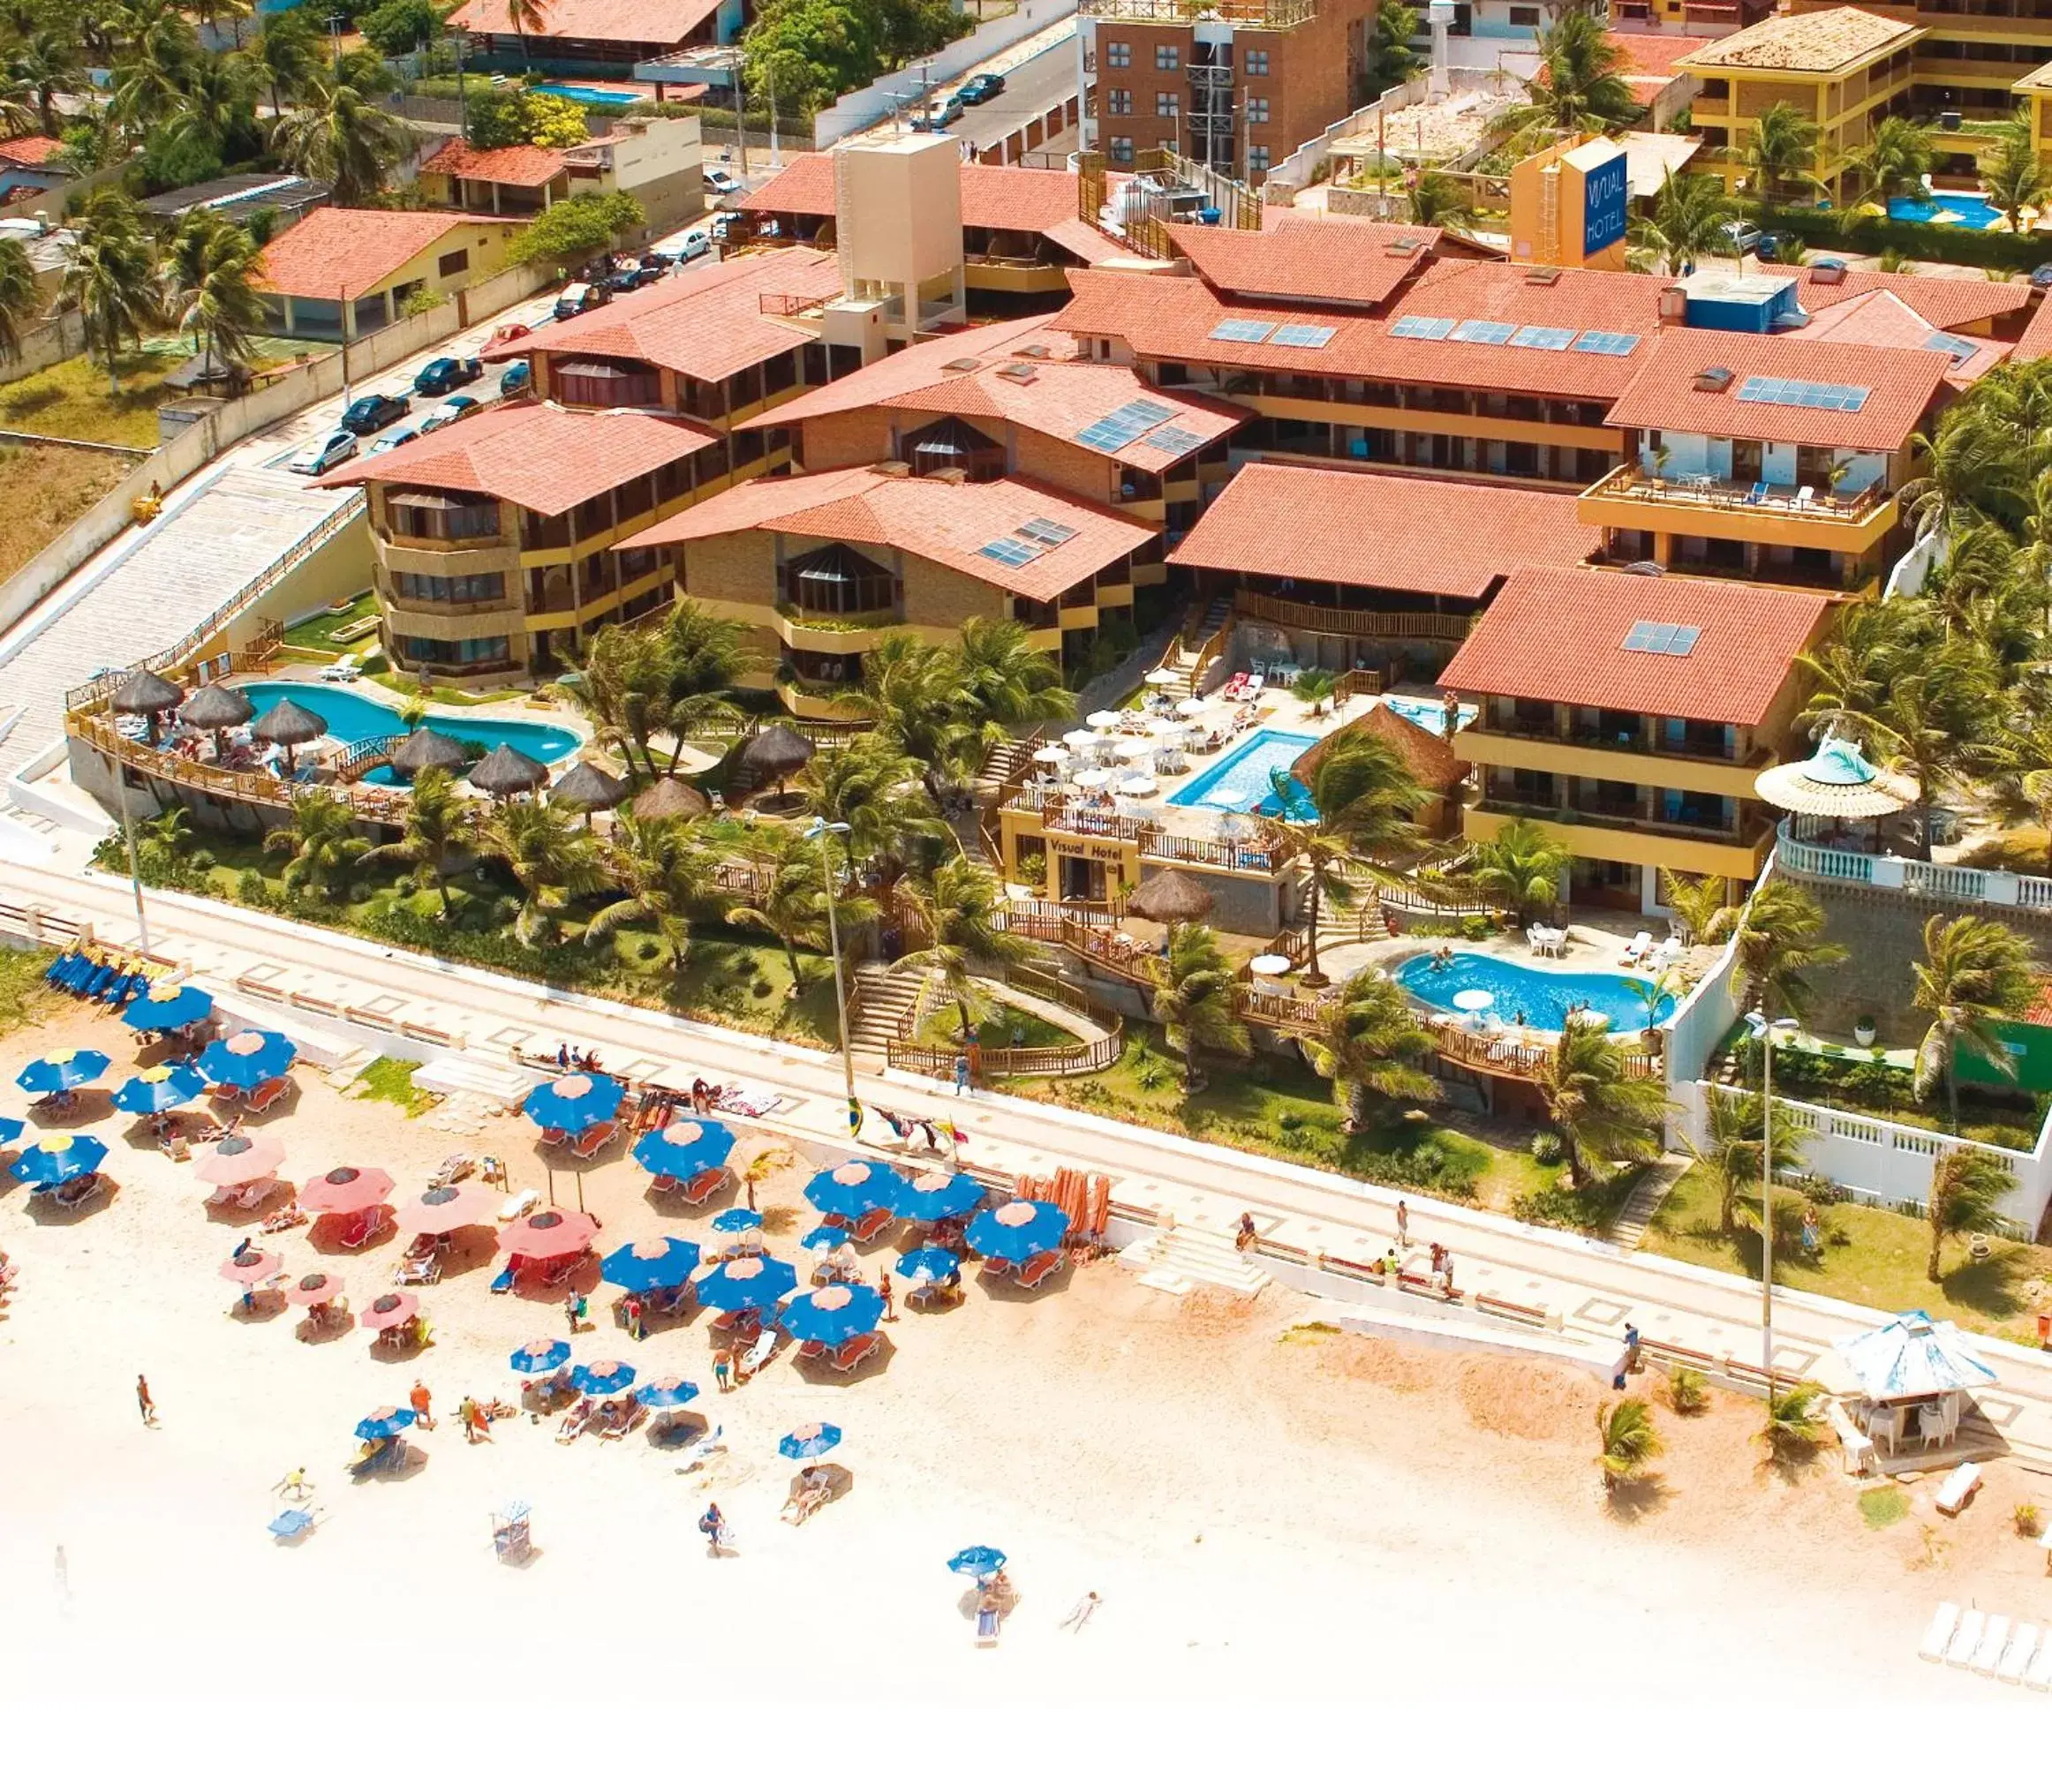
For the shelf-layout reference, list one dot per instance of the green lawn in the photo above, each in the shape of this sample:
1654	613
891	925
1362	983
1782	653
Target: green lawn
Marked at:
404	686
1867	1255
71	399
391	1079
316	634
996	1030
23	997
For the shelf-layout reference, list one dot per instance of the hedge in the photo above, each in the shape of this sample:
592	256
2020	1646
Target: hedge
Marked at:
1870	236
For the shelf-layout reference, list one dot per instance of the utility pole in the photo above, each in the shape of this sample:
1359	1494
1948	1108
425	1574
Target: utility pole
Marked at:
335	38
462	99
820	829
769	76
741	114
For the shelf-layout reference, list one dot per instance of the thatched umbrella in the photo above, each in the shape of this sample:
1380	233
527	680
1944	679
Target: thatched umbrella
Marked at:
147	696
671	799
505	772
287	724
1170	897
587	786
1838	783
425	751
216	708
775	754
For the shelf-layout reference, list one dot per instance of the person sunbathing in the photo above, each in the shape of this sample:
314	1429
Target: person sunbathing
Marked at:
812	1493
575	1419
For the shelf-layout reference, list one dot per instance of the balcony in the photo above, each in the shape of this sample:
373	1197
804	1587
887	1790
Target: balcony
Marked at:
1392	625
1587	754
1627	497
821	631
1672	845
1271	15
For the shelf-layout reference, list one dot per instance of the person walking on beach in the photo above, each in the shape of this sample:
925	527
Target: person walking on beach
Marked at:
466	1409
712	1528
1403	1223
423	1404
723	1369
143	1400
884	1288
631	1310
962	1073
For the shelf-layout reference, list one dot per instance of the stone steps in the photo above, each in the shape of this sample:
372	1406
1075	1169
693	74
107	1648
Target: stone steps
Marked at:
1629	1227
1178	1259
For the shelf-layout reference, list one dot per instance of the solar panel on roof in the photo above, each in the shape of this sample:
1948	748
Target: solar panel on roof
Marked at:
1146	411
1171	440
1673	638
1125	425
1048	534
1605	342
1008	551
1476	330
1431	329
1541	336
1809	395
1241	329
1302	337
1961	350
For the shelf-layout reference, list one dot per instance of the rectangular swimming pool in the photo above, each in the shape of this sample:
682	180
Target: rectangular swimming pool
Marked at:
1239	784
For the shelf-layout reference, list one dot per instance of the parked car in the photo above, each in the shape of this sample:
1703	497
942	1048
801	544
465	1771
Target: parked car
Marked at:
2042	275
719	181
1779	246
443	375
324	452
447	413
631	279
938	114
375	410
977	89
579	297
517	379
1741	235
398	437
506	333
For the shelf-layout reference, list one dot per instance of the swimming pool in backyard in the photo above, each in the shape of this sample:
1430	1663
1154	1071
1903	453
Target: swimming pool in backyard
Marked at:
351	717
1971	212
1239	784
595	96
1428	712
1542	997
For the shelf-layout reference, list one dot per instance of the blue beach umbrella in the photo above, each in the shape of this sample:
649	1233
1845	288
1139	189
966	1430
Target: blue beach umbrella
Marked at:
537	1356
607	1377
856	1187
667	1391
824	1238
159	1090
58	1157
979	1558
387	1421
809	1440
930	1263
746	1282
683	1148
934	1194
737	1219
574	1103
833	1314
655	1263
247	1060
164	1007
11	1129
1016	1230
63	1070
291	1523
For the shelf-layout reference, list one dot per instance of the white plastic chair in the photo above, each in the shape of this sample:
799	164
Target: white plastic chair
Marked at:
2016	1657
1966	1639
1938	1633
1994	1640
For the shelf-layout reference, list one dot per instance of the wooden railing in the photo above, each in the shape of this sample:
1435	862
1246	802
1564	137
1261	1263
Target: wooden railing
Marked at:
369	802
366	756
1081	1057
1503	1057
1059	814
1407	625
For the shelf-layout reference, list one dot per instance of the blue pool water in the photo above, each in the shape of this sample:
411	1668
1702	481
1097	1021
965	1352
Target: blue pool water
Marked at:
589	96
351	717
1542	997
1428	712
1973	212
1239	784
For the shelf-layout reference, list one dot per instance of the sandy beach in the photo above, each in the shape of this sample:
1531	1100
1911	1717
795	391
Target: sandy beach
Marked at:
1263	1513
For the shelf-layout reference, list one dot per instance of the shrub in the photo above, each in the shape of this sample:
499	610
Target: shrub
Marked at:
1994	249
1477	926
2025	1520
1289	1125
760	988
1547	1149
1686	1391
250	888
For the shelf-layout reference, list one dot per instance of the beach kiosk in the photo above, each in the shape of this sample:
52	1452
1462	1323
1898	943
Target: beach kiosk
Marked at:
1915	1376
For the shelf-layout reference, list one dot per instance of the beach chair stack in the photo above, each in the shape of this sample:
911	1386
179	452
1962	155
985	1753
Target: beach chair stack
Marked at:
1987	1644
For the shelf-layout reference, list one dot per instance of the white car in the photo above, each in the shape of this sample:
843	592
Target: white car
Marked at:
693	244
398	436
719	181
324	452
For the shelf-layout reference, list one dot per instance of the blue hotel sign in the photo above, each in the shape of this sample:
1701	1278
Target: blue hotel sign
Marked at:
1602	204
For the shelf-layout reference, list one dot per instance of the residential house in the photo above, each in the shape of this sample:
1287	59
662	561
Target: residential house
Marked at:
660	162
372	262
601	37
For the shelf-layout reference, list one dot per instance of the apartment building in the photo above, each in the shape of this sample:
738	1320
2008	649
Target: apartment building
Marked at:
494	539
1630	716
821	566
1843	68
1971	55
1237	84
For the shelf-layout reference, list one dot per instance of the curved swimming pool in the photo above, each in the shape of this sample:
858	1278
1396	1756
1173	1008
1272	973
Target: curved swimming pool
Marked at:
1539	998
353	717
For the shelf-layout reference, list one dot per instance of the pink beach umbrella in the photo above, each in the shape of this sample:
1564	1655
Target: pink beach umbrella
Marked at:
314	1290
388	1310
346	1190
239	1158
446	1208
553	1232
250	1267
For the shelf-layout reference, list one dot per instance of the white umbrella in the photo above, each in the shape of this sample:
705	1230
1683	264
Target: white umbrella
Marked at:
1093	780
1105	719
1191	707
1050	755
1231	797
1138	786
1914	1356
1079	738
1161	677
1137	749
1473	1001
1270	964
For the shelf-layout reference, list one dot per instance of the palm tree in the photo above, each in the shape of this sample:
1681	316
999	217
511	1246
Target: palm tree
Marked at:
17	113
1780	942
211	274
285	56
44	63
1780	152
1004	681
1602	1115
149	79
1734	1120
1688	221
1324	852
1523	866
322	839
790	901
912	692
664	873
2015	178
699	661
1698	905
440	823
1580	85
339	136
19	299
170	830
551	861
1967	1190
1193	999
1436	199
1314	690
768	1162
873	787
1365	791
1792	1428
1369	1041
112	276
1974	972
960	909
1893	161
1931	721
1625	1442
621	686
214	97
525	15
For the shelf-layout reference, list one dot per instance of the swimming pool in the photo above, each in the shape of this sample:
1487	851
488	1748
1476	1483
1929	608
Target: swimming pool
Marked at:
1239	784
351	717
593	96
1972	212
1542	997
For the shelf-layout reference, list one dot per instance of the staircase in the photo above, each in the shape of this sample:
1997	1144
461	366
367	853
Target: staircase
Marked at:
1175	1258
884	996
1629	1227
1187	660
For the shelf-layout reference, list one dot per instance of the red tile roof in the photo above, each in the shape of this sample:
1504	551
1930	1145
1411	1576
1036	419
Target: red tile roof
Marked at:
31	152
944	521
1655	52
518	164
604	21
1338	260
540	457
707	321
1902	383
333	250
1556	635
1057	395
1885	321
1382	530
993	197
2036	342
1947	304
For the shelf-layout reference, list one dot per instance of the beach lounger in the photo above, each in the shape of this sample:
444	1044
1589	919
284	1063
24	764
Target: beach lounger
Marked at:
343	671
1958	1489
503	1282
854	1352
265	1096
1994	1639
995	1266
1642	944
518	1206
761	1351
422	1268
561	1269
594	1140
555	1135
811	1350
711	1444
2037	1675
1966	1639
622	1420
2016	1657
363	1228
875	1222
1035	1270
1234	688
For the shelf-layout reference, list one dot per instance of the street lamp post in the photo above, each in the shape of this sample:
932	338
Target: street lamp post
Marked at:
1763	1030
134	862
818	828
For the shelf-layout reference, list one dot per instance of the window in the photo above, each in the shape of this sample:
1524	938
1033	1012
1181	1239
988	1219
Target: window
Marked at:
1258	62
1168	55
1525	15
454	262
431	518
1257	159
1256	110
1119	101
1121	149
602	386
1165	106
483	650
463	588
1118	55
